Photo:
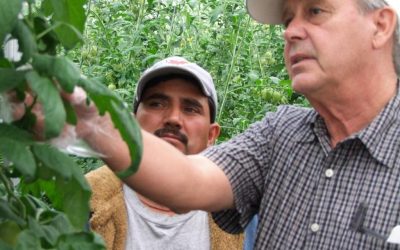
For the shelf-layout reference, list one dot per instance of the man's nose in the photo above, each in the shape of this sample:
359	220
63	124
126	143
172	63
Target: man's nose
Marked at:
295	30
174	117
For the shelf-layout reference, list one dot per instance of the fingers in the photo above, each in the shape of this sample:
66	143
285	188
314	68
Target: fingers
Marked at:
78	97
84	109
18	106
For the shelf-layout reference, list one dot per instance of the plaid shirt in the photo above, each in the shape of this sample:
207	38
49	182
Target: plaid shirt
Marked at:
305	192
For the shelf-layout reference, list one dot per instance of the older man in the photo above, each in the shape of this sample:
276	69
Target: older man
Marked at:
320	178
176	101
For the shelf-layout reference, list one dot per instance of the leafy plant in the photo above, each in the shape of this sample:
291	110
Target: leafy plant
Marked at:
43	193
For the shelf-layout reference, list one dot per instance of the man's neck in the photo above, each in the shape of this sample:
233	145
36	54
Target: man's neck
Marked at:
346	113
155	207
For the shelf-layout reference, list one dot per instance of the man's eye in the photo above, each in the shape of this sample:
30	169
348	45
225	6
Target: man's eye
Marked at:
155	104
191	110
315	11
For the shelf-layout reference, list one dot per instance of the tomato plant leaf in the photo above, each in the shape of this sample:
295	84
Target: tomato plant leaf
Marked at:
20	155
53	107
99	93
47	8
67	73
26	41
53	159
44	232
10	78
71	116
74	196
49	38
14	133
9	11
79	241
9	231
6	213
28	240
4	246
61	68
131	133
72	14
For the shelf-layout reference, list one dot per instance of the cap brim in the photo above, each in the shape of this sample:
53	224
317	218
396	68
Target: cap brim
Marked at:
164	71
265	11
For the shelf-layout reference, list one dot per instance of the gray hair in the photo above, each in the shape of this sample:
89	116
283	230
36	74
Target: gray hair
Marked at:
368	5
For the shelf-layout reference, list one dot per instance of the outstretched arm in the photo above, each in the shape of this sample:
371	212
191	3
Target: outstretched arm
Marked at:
165	175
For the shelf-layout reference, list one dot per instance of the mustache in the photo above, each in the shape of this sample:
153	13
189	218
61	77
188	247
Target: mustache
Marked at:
174	131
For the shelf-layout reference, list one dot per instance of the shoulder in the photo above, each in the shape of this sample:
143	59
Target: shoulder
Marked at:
102	176
286	119
104	184
290	115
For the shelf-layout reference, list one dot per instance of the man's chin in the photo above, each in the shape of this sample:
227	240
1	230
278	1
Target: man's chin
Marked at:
176	143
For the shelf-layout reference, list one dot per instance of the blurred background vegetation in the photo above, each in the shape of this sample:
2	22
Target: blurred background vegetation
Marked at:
124	37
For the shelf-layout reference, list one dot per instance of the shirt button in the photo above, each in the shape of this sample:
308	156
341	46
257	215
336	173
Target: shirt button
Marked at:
329	173
315	227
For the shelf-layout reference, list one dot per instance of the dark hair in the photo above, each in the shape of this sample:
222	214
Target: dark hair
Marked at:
163	78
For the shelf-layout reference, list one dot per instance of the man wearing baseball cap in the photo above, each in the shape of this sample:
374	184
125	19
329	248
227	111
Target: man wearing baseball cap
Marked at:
176	101
326	177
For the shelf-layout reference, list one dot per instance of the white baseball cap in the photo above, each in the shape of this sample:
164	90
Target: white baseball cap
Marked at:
179	65
270	11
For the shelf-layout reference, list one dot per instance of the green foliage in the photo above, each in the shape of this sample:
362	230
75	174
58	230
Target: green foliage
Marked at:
44	197
123	38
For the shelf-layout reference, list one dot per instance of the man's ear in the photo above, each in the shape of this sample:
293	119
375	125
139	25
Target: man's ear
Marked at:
213	133
385	22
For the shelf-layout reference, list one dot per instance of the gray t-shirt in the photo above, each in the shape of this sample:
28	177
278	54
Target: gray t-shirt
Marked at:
151	230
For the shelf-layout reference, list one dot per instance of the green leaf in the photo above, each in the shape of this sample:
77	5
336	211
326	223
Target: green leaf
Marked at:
47	8
9	11
69	196
71	14
99	93
10	78
77	241
6	213
61	68
216	13
43	232
57	220
49	39
9	231
4	246
33	204
27	240
5	63
26	41
20	155
55	160
67	73
131	133
51	101
71	116
75	196
274	79
16	134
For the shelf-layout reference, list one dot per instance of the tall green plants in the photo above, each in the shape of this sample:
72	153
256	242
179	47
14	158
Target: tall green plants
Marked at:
43	194
245	58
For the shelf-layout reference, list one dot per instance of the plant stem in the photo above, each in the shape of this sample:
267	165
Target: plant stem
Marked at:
10	190
85	32
228	81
